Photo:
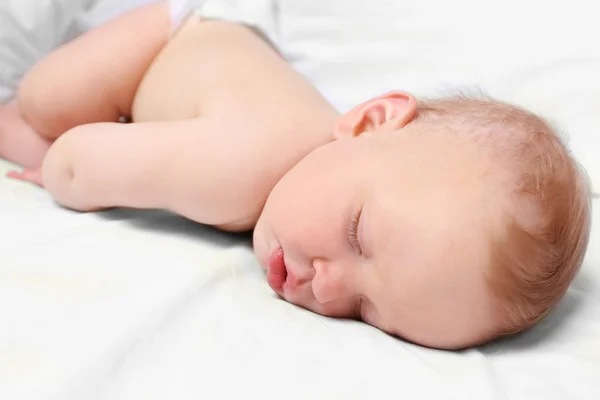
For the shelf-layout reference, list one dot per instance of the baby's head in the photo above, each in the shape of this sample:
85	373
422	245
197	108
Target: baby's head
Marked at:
447	223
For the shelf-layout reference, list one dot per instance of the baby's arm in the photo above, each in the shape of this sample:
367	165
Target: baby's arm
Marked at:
191	167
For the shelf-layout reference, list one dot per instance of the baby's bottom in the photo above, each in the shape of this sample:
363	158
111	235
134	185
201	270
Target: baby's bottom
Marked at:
91	79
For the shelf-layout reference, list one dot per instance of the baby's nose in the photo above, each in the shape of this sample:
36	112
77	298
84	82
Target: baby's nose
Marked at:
329	283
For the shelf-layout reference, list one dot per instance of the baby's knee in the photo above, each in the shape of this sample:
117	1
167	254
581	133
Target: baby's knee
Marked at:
37	99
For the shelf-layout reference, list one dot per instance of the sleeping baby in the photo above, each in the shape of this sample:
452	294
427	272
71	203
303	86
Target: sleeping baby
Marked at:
447	222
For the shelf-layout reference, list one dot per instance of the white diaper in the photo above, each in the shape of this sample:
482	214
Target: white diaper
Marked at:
260	14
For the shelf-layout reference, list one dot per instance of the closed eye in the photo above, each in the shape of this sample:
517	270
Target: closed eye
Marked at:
353	232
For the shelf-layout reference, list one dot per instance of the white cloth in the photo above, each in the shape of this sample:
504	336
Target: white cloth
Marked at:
260	14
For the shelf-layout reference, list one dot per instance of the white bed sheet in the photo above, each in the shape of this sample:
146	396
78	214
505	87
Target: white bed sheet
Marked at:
128	305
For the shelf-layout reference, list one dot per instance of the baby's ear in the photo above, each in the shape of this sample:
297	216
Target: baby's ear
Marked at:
385	113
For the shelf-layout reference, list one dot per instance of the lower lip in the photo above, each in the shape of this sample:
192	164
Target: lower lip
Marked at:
276	272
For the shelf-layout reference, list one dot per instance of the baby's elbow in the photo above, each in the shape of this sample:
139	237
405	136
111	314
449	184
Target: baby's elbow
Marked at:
59	175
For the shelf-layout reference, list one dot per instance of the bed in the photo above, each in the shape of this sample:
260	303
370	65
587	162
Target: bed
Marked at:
126	304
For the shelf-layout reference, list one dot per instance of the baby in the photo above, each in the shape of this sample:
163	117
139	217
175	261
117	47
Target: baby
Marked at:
447	223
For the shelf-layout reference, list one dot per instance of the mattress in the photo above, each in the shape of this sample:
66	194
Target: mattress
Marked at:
127	304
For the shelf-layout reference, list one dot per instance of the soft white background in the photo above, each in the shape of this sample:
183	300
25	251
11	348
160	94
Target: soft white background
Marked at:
138	305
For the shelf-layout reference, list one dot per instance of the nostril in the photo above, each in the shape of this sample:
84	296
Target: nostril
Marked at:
290	278
294	281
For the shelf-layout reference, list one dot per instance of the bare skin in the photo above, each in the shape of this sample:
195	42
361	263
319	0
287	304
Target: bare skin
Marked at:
19	143
227	134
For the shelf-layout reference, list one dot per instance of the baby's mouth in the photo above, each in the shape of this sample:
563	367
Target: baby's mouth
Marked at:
277	272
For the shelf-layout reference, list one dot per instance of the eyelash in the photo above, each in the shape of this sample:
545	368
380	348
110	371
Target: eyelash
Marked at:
353	232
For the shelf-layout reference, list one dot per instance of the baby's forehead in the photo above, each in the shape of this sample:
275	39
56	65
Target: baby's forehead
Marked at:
439	211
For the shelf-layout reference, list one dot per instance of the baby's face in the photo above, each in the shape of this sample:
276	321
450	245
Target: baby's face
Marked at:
387	228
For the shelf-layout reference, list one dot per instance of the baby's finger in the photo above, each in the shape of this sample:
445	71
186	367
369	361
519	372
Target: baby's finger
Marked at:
27	175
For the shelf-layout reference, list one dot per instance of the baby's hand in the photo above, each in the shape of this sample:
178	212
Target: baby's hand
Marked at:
31	175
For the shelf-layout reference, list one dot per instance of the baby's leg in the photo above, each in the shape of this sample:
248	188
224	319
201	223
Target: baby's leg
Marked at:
19	143
147	165
91	79
94	78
